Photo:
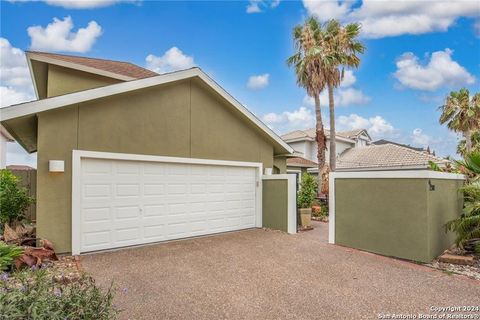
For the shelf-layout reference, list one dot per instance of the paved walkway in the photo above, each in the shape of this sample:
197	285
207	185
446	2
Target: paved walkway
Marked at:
257	274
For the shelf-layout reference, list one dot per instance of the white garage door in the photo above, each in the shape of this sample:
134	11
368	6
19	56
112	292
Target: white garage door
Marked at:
124	203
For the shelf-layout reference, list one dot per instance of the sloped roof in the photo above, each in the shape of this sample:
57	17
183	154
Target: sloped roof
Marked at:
301	162
126	69
310	134
383	141
384	156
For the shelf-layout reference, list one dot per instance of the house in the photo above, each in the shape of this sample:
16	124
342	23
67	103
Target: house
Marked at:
357	152
128	157
303	141
4	138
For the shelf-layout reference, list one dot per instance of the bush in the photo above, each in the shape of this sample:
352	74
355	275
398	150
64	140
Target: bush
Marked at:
8	253
35	295
14	200
308	191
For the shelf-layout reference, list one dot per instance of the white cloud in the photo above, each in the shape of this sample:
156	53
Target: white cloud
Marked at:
258	81
420	139
257	6
440	71
386	18
15	82
376	126
58	36
301	118
172	60
79	4
349	79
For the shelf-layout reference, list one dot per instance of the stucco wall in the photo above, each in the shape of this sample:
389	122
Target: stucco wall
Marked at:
182	119
395	217
275	204
64	80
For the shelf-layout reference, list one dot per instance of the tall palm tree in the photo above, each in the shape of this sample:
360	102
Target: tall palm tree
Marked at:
462	114
341	49
308	69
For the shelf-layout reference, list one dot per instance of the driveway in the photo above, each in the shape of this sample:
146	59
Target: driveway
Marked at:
257	274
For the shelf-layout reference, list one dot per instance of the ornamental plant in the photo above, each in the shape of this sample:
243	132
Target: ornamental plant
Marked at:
8	253
308	191
14	200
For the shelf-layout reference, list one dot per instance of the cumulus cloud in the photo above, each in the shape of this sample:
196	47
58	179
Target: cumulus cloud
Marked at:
58	36
420	139
386	18
376	126
257	6
172	60
258	81
15	83
439	71
301	118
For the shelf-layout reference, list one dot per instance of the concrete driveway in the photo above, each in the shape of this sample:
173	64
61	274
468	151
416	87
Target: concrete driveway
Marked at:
257	274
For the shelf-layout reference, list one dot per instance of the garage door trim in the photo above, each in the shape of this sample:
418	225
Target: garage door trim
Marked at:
78	155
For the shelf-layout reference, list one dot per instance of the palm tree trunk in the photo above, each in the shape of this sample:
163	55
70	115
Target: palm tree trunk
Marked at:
321	141
468	141
333	144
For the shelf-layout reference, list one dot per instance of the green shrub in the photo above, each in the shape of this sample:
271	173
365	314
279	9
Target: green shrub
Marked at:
35	295
8	253
14	200
308	191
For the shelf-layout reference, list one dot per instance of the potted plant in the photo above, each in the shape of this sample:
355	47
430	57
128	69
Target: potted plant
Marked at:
305	198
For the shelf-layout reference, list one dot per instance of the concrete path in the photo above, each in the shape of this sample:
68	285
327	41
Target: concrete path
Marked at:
257	274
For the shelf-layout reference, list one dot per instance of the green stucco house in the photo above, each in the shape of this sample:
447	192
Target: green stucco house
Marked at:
127	156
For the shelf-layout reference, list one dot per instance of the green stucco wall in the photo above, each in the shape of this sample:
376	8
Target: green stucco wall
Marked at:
395	217
183	119
275	204
65	80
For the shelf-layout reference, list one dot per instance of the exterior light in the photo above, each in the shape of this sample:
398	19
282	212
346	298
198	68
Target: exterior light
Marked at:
56	166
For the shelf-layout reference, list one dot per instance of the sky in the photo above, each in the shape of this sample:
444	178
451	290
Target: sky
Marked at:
416	53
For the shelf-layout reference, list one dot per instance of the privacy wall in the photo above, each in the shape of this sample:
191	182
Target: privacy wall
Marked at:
394	213
279	202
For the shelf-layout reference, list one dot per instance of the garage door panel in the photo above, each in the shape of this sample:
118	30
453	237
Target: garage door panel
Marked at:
126	203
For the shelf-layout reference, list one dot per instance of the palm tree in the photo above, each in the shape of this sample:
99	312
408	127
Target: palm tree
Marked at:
308	69
462	114
475	138
340	48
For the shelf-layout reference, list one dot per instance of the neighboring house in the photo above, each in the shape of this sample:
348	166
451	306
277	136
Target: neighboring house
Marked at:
386	157
127	157
383	141
4	138
303	141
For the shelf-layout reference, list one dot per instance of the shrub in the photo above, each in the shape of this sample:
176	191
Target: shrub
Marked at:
14	200
308	191
8	253
35	295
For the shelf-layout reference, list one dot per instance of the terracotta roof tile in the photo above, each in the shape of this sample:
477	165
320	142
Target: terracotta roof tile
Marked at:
310	134
119	67
299	161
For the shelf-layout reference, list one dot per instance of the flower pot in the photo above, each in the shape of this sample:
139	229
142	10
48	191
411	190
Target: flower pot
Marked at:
305	217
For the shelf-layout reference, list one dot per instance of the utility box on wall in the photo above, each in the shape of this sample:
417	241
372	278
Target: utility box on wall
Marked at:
394	213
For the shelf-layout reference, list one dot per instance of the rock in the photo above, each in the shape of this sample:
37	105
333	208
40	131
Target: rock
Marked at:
456	259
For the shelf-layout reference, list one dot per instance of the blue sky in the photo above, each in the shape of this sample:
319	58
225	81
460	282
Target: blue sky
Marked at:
416	53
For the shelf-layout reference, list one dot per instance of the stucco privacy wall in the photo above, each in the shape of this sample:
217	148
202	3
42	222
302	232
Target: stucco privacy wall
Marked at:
182	119
279	202
400	217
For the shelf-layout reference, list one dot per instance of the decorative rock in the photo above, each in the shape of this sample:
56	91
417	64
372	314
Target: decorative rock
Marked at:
456	259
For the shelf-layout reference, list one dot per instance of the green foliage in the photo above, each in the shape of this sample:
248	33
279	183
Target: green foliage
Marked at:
308	191
467	226
8	253
475	140
14	200
36	295
433	166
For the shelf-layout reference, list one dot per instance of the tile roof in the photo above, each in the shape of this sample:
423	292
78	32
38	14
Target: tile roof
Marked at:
383	141
119	67
384	156
19	167
310	134
301	162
